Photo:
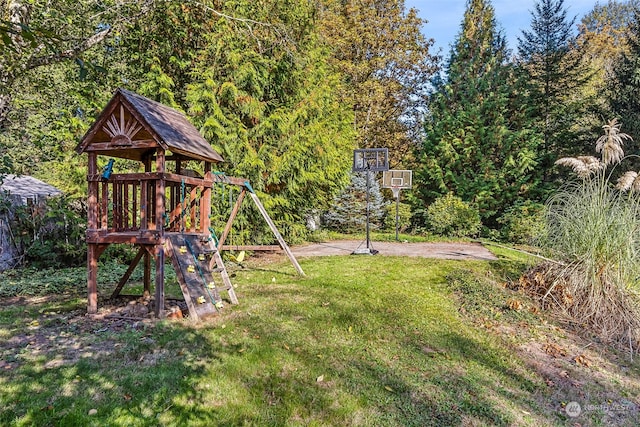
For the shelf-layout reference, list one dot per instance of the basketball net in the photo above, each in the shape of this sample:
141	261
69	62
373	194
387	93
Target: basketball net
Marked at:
395	191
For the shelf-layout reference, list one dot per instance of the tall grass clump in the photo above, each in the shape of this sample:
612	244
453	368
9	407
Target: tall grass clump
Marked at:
594	227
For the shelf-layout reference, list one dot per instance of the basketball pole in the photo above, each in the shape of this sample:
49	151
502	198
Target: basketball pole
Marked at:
367	227
396	192
369	160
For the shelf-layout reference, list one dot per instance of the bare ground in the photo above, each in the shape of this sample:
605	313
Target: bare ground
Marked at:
462	251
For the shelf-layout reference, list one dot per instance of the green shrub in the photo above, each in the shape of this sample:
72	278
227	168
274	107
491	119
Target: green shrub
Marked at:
595	229
50	234
523	223
450	216
404	217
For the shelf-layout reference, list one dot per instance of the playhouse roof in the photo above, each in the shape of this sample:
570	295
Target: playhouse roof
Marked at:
131	126
27	187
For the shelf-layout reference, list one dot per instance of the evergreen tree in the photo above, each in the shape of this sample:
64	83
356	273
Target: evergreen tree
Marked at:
556	75
348	212
265	96
478	144
603	39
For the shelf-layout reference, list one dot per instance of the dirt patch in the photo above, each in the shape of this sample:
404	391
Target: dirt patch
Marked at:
462	251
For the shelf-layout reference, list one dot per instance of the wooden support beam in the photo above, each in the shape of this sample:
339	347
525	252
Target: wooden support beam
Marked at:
92	279
276	233
232	217
93	253
127	274
255	248
92	202
159	294
146	278
240	182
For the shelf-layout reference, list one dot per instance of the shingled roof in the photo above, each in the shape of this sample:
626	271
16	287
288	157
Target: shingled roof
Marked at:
22	188
131	126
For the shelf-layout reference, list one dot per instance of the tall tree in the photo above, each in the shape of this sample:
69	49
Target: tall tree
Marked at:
264	93
385	59
478	143
555	72
37	33
603	34
625	85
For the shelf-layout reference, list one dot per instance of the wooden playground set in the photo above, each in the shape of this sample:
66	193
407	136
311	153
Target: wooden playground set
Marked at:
164	211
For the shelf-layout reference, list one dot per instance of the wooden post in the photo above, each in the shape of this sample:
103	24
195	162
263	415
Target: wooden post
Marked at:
92	202
159	248
92	225
146	279
92	279
205	203
145	209
93	253
159	311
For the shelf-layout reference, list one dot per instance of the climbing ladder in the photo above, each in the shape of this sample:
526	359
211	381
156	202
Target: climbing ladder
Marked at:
196	260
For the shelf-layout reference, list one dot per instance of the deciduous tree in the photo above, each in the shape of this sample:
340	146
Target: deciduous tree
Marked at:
386	64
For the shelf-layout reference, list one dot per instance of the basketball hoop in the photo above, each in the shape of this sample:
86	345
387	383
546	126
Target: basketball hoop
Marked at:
396	180
369	160
396	191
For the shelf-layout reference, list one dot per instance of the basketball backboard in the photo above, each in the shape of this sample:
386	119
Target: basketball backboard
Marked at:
370	159
397	179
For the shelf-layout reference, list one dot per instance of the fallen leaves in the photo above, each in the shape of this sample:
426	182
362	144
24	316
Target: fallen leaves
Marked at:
583	360
514	304
554	350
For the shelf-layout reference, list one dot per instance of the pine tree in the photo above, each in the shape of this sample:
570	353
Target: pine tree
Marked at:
556	73
478	144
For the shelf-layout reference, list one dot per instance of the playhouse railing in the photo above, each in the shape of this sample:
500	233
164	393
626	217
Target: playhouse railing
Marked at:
128	203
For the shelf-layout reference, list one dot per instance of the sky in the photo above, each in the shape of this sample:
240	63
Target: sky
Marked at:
445	17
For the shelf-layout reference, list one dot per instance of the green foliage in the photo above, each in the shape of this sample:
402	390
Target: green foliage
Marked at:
450	216
594	227
556	75
404	216
348	212
592	222
523	223
49	234
479	140
386	64
624	85
269	104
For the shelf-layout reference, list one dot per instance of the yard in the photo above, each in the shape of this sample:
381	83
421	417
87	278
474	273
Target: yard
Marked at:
359	341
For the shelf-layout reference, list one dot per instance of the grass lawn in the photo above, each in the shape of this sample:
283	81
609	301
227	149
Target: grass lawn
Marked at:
371	341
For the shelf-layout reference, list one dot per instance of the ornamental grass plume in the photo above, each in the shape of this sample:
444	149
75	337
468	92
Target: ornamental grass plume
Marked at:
583	166
594	228
610	144
630	181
